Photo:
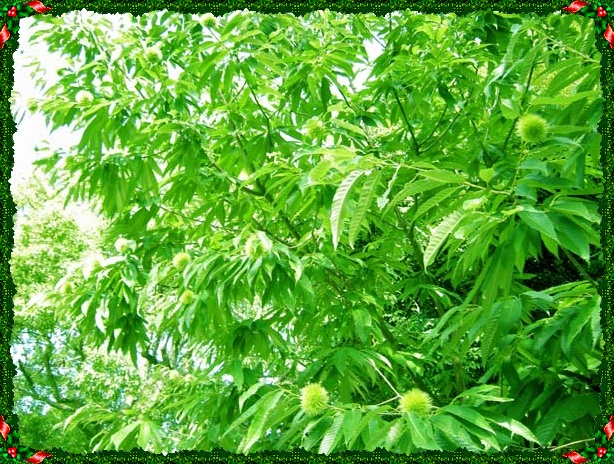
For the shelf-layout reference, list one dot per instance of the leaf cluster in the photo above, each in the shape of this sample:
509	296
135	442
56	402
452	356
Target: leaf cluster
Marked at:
357	209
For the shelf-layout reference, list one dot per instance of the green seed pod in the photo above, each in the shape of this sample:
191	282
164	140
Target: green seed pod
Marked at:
153	54
532	128
208	20
315	128
83	96
181	260
416	401
314	399
123	246
187	297
66	288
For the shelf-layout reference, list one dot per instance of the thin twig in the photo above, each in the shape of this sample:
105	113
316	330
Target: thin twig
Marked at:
407	123
579	268
566	445
385	379
522	100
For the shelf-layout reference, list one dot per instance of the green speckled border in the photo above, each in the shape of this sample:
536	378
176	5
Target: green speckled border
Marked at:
136	7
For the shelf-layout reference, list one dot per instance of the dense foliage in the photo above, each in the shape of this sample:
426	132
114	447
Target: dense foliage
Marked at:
334	232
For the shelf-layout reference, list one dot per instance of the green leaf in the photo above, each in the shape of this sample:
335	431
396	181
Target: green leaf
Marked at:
548	426
362	320
571	236
578	406
564	100
442	175
421	431
551	245
315	431
470	416
453	431
332	436
364	200
320	170
339	205
487	174
439	235
436	200
481	393
445	93
250	392
585	209
410	189
124	435
347	126
266	408
539	221
583	317
145	433
325	94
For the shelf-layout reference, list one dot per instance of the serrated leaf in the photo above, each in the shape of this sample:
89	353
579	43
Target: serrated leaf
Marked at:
435	200
145	433
266	407
421	431
442	175
347	126
571	236
412	188
314	432
339	204
119	437
577	207
470	416
394	433
439	235
539	221
253	389
491	332
578	406
454	431
351	419
564	100
582	317
364	200
332	436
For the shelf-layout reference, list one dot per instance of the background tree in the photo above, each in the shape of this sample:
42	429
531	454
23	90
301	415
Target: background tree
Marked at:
321	229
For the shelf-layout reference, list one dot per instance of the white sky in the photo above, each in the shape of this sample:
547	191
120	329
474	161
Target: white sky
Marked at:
32	131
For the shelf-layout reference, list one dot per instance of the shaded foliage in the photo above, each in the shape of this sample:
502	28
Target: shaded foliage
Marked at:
359	209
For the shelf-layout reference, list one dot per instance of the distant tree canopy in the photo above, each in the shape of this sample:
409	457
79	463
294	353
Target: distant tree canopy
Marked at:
334	232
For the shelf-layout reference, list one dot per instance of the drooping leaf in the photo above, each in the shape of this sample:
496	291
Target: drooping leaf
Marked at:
364	201
332	436
266	408
420	431
412	188
443	176
439	234
339	205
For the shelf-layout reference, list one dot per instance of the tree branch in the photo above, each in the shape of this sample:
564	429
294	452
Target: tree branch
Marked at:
579	268
522	100
407	123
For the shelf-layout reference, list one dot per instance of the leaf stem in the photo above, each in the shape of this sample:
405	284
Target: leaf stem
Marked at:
566	445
